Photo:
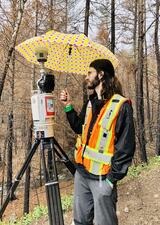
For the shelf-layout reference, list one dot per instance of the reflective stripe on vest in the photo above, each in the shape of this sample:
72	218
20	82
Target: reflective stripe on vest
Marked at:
112	109
106	122
90	153
96	168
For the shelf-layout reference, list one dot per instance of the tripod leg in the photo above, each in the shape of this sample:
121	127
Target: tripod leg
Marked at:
19	176
63	157
52	184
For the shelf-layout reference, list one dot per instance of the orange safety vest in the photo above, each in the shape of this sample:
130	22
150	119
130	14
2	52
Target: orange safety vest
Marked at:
96	155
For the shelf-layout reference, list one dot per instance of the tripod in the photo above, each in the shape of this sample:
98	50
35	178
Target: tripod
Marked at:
49	146
42	104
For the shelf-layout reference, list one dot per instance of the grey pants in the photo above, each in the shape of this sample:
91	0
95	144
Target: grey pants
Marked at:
94	199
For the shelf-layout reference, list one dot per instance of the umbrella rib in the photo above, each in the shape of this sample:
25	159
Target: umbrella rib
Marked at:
79	51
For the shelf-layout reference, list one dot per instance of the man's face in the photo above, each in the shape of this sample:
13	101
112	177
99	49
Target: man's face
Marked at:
92	79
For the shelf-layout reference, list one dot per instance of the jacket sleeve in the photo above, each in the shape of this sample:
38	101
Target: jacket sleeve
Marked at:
76	121
124	144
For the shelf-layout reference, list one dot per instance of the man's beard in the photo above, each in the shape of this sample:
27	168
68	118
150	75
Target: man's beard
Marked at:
92	85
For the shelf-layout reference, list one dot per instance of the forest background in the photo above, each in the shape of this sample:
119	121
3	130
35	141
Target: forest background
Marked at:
128	28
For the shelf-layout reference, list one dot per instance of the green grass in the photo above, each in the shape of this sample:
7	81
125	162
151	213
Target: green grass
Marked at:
40	211
37	213
134	171
67	202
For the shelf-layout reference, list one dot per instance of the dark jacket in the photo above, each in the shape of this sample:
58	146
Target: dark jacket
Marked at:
124	137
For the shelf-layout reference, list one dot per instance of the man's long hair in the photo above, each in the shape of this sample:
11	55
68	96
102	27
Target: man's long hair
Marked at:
110	86
110	83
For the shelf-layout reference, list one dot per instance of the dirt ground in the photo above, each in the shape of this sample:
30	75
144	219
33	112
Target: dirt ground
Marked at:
138	200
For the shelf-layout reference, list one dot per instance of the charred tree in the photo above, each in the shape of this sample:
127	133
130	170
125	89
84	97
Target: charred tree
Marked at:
140	71
135	48
66	15
51	15
86	26
11	131
157	52
149	128
3	171
9	151
86	20
113	26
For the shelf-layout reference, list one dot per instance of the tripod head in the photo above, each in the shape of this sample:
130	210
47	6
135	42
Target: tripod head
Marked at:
47	82
42	101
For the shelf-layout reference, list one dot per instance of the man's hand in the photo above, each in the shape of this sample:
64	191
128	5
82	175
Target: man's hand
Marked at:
65	98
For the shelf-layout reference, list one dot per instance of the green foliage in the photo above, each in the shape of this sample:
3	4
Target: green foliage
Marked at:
134	171
67	202
40	211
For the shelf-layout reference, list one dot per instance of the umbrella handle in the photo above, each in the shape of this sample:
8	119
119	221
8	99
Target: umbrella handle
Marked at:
65	82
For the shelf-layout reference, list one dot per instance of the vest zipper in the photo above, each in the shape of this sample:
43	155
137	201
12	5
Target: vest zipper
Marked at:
88	137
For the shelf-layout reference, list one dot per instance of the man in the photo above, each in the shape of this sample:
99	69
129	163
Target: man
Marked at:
106	148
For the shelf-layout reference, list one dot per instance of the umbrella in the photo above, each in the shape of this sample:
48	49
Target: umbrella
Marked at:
69	53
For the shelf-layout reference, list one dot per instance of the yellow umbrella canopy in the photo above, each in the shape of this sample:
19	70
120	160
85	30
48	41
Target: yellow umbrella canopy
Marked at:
69	53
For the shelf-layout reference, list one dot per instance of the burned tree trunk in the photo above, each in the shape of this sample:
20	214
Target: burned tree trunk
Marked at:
51	15
9	151
86	20
10	131
147	85
157	52
113	26
3	171
140	99
66	15
135	49
86	26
